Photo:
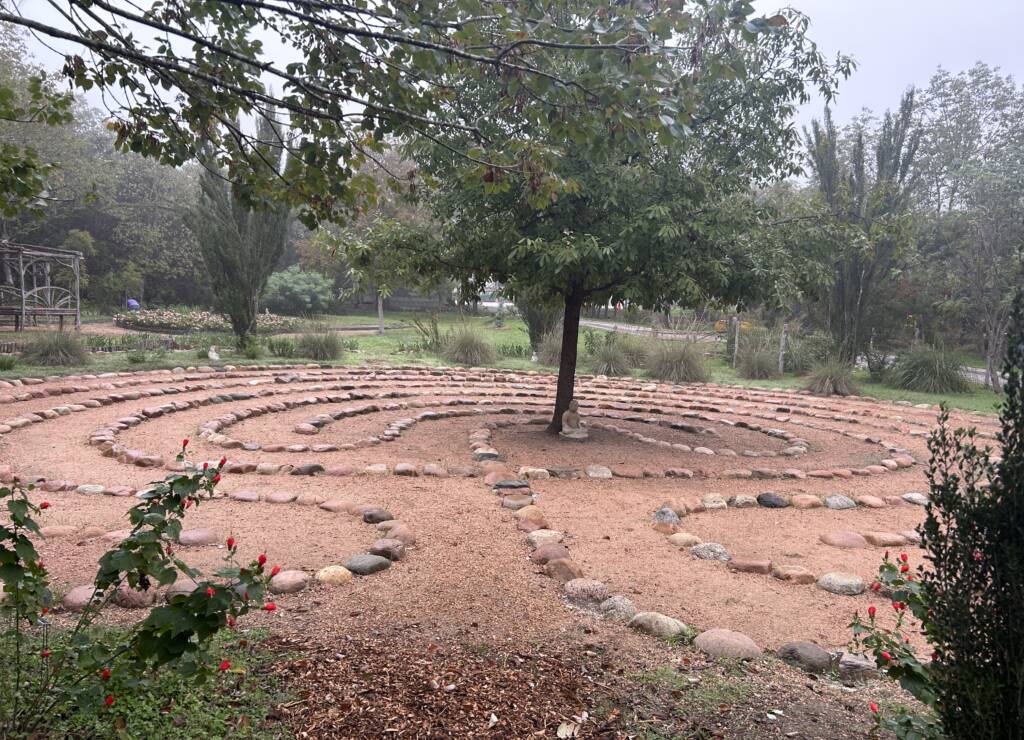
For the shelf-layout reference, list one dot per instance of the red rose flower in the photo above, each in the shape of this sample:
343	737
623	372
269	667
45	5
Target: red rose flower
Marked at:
275	570
209	591
872	611
873	707
45	653
105	674
904	568
904	557
206	465
44	505
269	606
231	543
223	461
876	586
225	665
184	443
886	656
109	701
216	478
262	559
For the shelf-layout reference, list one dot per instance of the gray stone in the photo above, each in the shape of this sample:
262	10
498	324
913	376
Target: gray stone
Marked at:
916	498
365	564
598	471
710	551
854	668
308	469
771	500
714	502
197	537
665	515
723	643
659	625
617	608
183	586
585	591
289	582
683	539
839	501
844	584
812	658
741	501
375	516
540	537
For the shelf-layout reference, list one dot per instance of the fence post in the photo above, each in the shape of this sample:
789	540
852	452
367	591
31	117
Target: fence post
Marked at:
782	349
736	340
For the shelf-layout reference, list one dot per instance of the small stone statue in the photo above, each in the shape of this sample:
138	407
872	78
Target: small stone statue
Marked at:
572	426
211	354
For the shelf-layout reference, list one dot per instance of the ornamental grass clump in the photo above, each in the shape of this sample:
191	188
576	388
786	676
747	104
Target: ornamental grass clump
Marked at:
55	348
549	350
833	377
758	364
88	669
466	346
319	345
609	358
677	362
967	600
930	370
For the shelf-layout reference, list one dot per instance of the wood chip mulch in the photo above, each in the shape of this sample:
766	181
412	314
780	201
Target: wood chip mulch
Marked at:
377	687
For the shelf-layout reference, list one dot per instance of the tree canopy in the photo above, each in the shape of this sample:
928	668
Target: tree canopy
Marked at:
181	75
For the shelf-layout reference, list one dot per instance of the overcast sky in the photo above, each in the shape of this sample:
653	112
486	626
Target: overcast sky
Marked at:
898	43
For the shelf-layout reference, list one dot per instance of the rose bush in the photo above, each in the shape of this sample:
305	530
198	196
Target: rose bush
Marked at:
182	320
88	668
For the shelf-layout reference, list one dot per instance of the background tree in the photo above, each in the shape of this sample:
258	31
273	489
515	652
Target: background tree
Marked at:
869	200
973	168
653	220
298	292
379	257
241	245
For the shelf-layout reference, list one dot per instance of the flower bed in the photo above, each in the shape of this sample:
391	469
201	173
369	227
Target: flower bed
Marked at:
185	320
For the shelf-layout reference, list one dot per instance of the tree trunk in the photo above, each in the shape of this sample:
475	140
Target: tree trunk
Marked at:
380	314
567	360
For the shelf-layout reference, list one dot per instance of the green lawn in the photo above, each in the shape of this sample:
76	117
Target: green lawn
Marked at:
401	346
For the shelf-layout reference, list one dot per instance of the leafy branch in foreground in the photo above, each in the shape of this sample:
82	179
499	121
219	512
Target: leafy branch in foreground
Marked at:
90	667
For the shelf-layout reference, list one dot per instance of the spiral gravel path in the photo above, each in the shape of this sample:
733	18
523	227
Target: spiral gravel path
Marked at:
751	510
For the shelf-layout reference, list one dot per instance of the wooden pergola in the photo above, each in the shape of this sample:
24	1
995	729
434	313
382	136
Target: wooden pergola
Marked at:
39	282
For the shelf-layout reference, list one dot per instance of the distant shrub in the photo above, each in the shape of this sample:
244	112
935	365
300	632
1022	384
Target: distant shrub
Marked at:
635	347
55	348
137	357
281	347
191	320
833	377
319	345
7	362
430	337
677	362
540	319
252	350
610	359
805	351
514	350
549	350
930	370
295	292
468	347
758	364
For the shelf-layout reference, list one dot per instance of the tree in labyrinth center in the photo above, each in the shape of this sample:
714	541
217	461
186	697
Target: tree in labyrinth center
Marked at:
653	219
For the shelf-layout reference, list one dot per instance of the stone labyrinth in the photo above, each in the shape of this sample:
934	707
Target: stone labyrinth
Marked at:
787	498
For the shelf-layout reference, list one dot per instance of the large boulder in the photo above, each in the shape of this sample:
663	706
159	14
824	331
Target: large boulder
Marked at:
659	625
